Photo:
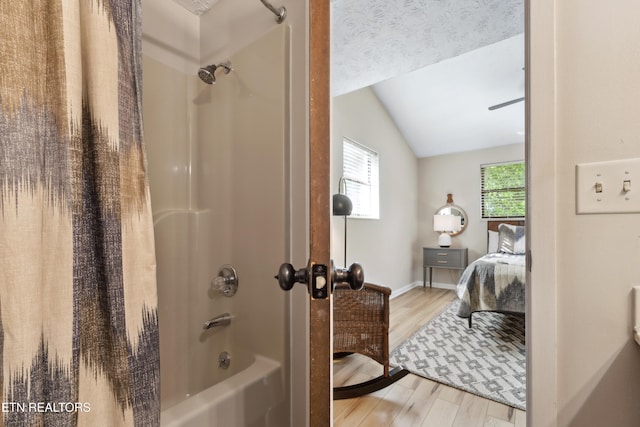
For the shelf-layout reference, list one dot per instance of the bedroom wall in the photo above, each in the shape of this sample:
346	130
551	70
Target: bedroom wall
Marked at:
597	110
458	174
384	247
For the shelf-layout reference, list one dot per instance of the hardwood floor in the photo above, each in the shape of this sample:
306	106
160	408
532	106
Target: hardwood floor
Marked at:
414	401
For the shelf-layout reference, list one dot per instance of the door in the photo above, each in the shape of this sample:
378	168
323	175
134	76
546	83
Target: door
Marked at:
318	274
320	310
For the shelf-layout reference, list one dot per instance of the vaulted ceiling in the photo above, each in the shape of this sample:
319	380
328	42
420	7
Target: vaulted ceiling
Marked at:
444	107
436	66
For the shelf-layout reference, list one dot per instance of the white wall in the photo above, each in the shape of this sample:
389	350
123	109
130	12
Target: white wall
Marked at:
383	246
411	190
598	256
584	87
458	174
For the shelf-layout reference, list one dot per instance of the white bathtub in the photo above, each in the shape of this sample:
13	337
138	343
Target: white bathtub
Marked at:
253	397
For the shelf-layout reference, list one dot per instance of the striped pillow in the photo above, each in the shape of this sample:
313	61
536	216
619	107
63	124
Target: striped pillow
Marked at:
511	239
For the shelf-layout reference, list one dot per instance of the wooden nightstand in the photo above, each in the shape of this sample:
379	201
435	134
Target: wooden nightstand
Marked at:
437	257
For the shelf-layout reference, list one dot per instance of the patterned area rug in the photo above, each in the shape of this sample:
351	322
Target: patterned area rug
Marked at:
487	360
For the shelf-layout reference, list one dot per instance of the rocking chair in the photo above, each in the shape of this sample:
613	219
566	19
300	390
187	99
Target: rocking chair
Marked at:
361	325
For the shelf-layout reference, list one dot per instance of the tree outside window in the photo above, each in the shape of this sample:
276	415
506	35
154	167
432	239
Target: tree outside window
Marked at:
503	190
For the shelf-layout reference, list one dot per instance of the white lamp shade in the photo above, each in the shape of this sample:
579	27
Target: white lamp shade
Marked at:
457	226
447	223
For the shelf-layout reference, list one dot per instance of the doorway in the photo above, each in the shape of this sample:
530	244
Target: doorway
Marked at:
337	237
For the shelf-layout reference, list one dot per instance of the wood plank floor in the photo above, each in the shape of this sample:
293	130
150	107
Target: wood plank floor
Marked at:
414	401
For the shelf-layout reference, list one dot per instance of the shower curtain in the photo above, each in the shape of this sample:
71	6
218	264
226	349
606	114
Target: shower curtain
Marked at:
78	304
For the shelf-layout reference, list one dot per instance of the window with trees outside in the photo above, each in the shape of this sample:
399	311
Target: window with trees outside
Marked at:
360	172
503	190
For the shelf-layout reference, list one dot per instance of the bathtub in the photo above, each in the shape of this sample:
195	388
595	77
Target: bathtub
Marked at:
253	397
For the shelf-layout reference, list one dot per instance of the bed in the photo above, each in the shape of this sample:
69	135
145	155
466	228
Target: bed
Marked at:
496	281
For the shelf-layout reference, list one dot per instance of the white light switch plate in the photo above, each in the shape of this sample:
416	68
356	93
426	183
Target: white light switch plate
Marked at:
612	176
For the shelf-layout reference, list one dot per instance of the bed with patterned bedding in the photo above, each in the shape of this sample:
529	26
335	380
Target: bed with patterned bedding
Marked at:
496	281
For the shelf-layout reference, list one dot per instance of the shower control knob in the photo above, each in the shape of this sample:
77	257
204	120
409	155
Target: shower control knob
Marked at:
226	283
354	276
288	276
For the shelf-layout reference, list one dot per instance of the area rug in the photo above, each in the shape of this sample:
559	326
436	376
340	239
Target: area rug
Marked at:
487	360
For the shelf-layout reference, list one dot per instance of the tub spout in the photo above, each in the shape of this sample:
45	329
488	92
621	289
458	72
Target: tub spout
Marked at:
222	320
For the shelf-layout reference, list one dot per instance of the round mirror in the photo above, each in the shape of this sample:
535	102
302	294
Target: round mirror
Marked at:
451	209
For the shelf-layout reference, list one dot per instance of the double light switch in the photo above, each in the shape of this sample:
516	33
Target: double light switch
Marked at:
608	187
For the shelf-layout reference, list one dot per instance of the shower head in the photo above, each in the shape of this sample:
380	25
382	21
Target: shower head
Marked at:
208	74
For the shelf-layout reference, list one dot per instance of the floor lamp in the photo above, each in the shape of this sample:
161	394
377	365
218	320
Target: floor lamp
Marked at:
342	206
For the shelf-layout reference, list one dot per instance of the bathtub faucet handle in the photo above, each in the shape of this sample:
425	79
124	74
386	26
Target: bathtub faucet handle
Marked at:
226	283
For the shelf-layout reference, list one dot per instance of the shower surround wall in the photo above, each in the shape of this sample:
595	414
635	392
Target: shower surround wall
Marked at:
217	157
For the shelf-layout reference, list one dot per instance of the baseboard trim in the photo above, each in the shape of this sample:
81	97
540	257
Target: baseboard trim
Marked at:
449	286
397	292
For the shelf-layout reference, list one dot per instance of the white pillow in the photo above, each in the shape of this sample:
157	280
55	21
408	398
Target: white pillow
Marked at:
511	239
492	245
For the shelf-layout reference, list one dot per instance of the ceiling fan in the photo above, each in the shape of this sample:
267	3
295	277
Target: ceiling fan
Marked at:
505	104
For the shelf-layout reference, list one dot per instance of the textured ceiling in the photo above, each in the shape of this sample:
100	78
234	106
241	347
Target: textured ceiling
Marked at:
436	66
373	40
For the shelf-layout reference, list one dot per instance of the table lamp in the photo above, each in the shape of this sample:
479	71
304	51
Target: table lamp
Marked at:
445	224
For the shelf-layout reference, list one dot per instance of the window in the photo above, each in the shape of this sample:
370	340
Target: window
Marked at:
503	190
360	172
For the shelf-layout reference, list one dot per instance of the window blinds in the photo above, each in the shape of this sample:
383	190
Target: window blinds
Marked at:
360	172
503	190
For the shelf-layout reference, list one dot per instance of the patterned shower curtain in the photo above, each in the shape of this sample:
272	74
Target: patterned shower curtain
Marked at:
78	303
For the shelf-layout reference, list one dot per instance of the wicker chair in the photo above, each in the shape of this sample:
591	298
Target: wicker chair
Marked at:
361	325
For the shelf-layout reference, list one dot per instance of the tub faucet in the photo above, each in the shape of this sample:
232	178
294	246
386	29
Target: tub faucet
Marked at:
222	320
